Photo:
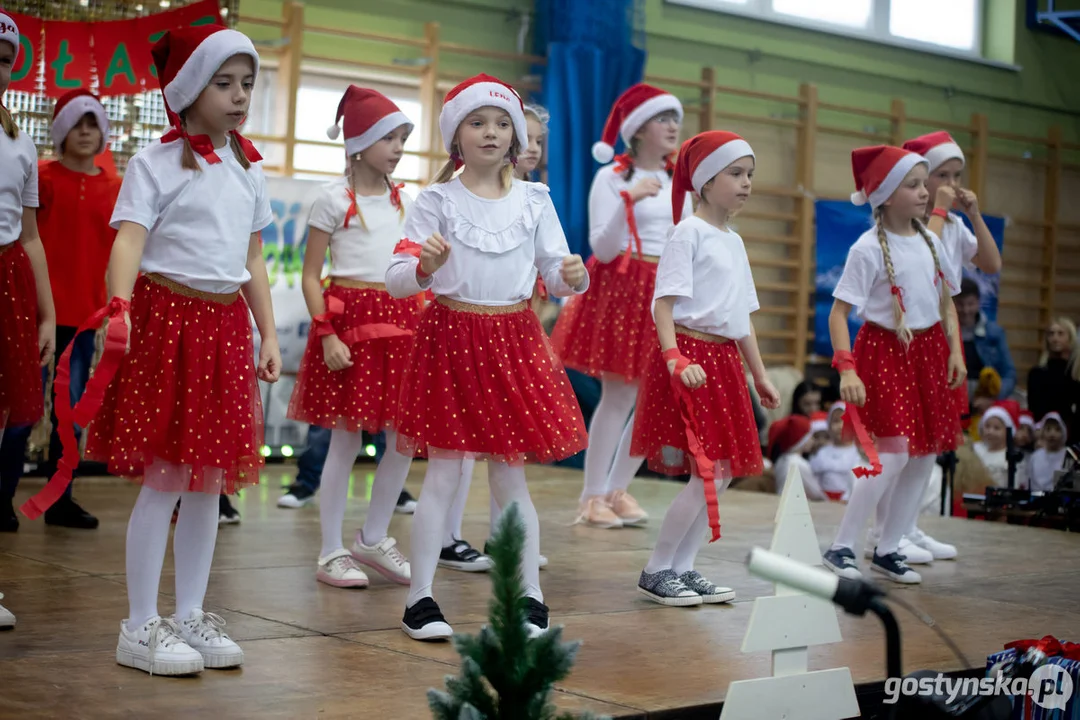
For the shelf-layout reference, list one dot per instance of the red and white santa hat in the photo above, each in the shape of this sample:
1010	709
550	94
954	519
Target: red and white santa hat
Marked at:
700	159
478	92
937	147
819	422
9	33
636	106
187	58
369	116
839	406
1056	417
879	170
1026	418
788	434
1000	412
70	109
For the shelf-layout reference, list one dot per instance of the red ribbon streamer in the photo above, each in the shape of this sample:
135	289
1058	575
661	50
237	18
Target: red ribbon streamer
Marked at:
321	325
541	288
1049	645
631	222
865	442
706	466
205	147
407	246
899	296
116	338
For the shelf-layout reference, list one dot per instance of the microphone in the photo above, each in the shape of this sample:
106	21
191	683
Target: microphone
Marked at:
854	595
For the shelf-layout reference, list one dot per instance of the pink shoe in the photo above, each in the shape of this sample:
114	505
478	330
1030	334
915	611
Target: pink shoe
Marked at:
595	511
339	569
626	507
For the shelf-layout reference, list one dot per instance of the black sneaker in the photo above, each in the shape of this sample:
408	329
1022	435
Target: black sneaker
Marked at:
67	513
842	562
9	521
894	567
406	503
463	556
536	617
710	592
424	621
297	496
665	587
227	514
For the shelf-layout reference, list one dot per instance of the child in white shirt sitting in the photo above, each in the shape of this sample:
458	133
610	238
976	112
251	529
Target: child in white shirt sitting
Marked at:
1050	456
991	447
832	464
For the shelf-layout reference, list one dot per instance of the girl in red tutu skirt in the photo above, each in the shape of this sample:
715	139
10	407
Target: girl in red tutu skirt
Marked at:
27	317
694	397
608	333
183	415
350	375
905	365
482	381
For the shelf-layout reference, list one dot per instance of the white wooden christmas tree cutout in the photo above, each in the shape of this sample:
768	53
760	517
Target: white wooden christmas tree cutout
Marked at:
787	624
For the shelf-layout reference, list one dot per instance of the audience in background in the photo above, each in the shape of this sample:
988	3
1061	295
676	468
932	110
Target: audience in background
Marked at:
1054	384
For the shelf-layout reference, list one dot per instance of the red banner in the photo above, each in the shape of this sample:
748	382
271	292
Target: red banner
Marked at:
111	57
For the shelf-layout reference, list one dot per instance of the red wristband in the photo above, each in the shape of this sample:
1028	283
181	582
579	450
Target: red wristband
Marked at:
843	360
940	212
681	361
420	273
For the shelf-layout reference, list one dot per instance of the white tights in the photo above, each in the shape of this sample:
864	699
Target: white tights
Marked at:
683	529
608	465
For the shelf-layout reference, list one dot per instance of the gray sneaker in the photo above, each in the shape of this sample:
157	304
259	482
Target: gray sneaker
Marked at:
709	592
666	588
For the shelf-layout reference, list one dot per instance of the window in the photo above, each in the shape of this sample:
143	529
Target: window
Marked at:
950	27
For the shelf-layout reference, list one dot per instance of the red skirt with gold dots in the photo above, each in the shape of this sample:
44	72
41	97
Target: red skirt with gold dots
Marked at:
909	407
364	396
723	412
482	382
610	328
22	399
183	412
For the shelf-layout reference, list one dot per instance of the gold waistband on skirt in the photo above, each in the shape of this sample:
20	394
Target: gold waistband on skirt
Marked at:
185	291
357	284
698	335
459	306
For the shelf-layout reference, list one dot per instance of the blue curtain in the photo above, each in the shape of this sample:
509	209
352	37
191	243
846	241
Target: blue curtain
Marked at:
594	52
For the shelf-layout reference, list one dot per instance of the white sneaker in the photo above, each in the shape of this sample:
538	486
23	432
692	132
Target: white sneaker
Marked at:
939	550
157	648
913	554
7	620
384	558
203	632
339	569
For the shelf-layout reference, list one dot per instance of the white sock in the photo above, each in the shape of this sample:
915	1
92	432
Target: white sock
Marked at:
678	519
193	549
616	404
429	522
389	482
147	538
906	498
688	548
625	466
508	486
457	509
334	487
865	496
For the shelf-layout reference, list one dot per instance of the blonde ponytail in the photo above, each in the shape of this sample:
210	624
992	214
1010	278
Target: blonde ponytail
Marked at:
8	123
943	290
899	316
239	152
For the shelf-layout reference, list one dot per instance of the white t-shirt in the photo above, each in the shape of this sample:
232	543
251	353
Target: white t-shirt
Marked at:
995	463
865	283
199	223
810	484
834	465
496	246
356	253
18	183
961	245
707	271
609	233
1042	467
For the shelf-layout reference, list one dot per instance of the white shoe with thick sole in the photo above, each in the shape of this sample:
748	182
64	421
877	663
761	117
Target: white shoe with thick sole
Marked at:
938	550
204	632
384	558
157	647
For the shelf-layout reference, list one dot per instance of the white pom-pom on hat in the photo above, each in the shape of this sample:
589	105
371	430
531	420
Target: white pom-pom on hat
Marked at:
333	132
602	152
858	198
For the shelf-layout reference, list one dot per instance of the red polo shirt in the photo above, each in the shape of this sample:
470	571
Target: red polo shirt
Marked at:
73	221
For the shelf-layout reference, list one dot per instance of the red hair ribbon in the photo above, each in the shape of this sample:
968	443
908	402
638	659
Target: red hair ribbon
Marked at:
205	147
844	360
942	278
541	288
622	163
395	194
631	222
899	293
706	466
352	211
116	340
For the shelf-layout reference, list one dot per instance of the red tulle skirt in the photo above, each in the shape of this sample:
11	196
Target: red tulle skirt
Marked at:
610	328
722	409
364	396
183	412
22	397
482	382
909	406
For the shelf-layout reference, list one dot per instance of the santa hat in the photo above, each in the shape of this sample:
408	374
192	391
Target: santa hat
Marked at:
788	433
70	109
635	107
477	92
937	147
700	159
879	170
187	58
369	116
838	406
9	32
1056	418
819	422
1026	418
999	412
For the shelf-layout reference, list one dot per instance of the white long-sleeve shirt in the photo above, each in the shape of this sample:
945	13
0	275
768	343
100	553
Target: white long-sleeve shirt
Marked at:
834	465
496	246
810	484
609	233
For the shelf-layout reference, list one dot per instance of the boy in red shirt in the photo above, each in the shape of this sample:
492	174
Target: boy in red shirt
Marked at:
77	194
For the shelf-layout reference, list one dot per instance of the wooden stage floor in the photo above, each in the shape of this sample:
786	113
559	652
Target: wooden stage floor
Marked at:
316	651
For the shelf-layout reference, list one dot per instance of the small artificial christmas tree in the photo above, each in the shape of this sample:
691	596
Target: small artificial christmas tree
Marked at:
505	675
